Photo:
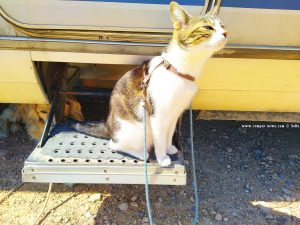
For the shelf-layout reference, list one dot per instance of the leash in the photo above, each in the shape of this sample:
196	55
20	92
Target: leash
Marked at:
145	163
195	187
144	86
195	220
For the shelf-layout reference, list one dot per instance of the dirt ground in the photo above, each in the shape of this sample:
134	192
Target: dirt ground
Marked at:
245	176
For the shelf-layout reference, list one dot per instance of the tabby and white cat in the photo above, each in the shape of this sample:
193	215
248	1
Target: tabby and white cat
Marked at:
34	117
194	40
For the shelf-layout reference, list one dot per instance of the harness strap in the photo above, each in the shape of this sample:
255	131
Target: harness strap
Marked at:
167	65
147	75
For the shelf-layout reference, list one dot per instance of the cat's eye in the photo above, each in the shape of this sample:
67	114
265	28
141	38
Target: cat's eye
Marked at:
43	112
209	27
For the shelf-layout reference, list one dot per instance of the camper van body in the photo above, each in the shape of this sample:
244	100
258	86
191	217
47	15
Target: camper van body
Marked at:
259	70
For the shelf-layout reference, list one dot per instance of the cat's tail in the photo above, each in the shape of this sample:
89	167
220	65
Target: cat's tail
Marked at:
94	129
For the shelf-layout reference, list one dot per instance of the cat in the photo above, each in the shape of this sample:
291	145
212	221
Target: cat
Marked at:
169	91
34	117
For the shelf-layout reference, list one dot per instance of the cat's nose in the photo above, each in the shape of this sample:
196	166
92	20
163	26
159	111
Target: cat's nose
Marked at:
225	34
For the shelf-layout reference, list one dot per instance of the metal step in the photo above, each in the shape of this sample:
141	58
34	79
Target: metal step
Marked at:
72	157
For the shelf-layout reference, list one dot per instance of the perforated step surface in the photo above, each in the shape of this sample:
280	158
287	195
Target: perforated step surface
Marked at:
72	157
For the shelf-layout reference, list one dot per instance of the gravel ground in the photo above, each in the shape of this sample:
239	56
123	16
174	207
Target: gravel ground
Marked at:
245	176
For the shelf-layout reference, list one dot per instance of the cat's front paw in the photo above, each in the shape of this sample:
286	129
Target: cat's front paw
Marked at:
172	150
112	145
164	161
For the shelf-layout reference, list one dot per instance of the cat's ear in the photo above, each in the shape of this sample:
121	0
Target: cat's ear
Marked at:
179	17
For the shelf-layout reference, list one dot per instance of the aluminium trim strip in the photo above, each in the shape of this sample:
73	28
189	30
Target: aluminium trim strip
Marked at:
134	48
104	179
37	27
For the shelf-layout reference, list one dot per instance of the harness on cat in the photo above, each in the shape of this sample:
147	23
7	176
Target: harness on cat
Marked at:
147	107
167	65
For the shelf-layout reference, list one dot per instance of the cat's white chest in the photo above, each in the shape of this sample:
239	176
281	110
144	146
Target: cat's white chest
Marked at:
169	91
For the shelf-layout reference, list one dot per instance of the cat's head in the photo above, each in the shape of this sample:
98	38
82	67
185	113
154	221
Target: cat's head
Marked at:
197	32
